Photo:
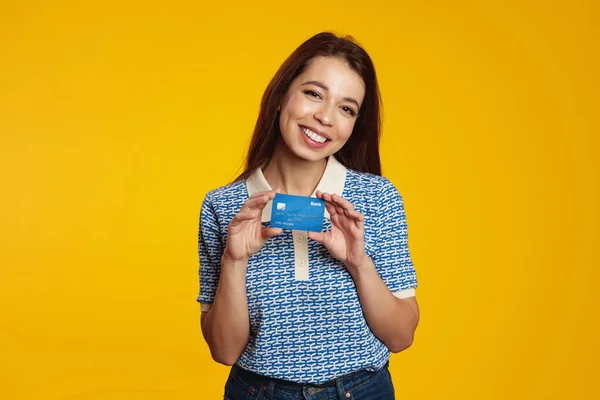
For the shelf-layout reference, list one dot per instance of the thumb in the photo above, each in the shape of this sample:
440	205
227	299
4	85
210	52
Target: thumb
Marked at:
321	237
269	232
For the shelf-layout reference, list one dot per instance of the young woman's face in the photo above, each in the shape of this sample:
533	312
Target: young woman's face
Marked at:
319	109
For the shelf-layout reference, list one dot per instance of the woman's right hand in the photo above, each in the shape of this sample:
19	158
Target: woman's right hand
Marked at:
246	234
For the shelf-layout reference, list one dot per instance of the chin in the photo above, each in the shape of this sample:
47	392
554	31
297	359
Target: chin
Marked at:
311	155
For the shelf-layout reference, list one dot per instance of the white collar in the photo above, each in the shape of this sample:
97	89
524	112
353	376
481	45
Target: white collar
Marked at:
332	181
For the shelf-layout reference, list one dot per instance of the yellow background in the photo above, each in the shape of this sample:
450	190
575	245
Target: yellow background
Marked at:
116	118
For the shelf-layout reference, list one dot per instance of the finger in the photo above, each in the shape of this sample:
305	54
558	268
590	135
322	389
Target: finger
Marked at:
330	209
340	206
356	215
326	196
351	213
337	209
245	216
259	202
320	237
270	232
328	201
257	194
271	192
340	210
335	219
255	203
340	201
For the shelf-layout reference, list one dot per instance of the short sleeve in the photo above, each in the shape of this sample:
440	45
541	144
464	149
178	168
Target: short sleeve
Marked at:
392	257
210	250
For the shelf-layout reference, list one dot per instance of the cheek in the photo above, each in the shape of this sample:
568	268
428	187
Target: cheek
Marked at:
345	130
297	106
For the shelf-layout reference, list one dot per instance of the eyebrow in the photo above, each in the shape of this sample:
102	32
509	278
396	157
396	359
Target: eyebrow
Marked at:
324	87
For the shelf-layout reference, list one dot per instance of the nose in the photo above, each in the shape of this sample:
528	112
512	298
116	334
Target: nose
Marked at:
323	115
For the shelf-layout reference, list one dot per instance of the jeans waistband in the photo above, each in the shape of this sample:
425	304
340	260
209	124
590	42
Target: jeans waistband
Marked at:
268	384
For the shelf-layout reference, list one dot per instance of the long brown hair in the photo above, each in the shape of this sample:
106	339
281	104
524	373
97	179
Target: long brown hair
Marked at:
361	151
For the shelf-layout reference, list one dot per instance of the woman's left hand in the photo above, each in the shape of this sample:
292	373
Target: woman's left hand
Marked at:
346	239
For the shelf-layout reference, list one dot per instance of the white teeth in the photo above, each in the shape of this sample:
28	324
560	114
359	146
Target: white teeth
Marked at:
313	136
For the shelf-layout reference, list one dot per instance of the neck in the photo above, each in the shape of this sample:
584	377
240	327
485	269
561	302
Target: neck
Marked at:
292	174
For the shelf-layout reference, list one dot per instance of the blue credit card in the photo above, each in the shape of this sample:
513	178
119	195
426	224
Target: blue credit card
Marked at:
297	212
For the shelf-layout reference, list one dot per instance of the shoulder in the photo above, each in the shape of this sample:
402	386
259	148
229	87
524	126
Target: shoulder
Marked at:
227	194
369	193
222	203
365	184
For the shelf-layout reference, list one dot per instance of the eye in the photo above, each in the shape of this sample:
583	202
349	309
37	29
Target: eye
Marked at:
312	93
349	110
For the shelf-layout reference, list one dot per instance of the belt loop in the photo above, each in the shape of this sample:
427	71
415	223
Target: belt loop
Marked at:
270	389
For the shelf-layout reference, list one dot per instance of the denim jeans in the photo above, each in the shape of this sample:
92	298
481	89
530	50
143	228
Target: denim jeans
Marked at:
361	385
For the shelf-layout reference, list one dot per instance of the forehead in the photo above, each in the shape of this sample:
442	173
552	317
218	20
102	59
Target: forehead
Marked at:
334	73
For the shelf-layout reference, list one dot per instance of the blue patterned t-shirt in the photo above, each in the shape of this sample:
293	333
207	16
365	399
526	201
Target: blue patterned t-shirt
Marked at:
310	330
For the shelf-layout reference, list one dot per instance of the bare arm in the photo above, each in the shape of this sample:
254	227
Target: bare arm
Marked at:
226	326
391	319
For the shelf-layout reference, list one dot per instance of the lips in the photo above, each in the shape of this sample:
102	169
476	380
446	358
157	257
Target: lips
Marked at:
316	141
318	132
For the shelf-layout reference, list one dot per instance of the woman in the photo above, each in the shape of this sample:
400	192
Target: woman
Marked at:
310	315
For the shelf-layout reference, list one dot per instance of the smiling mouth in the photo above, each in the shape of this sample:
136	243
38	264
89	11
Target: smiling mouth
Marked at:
313	135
